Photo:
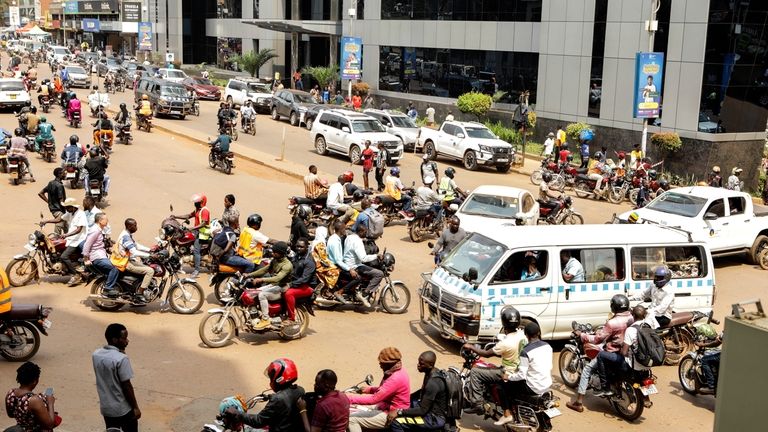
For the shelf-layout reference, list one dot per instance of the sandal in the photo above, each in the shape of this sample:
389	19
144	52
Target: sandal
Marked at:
575	406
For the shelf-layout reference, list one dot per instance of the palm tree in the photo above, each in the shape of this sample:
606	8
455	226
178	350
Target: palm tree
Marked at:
324	75
252	62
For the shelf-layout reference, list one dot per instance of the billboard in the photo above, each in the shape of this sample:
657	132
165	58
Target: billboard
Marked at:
351	58
145	36
91	25
409	62
97	7
649	68
131	12
13	15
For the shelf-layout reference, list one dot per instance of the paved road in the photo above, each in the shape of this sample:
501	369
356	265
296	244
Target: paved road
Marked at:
179	382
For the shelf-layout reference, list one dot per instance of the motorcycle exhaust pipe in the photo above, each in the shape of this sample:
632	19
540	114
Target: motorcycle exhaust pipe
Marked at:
322	301
114	300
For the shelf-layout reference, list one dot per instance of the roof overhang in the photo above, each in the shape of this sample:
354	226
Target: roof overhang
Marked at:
317	28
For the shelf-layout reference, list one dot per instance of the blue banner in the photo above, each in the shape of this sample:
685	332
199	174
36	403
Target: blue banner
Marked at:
145	36
649	68
351	58
91	25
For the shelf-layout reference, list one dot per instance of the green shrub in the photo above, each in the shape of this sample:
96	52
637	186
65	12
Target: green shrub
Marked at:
531	121
573	130
421	121
504	133
667	142
474	103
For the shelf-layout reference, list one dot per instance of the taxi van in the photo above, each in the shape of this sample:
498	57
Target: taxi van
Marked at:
523	266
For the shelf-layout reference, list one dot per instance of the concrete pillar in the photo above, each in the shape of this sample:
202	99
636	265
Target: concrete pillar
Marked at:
294	56
333	50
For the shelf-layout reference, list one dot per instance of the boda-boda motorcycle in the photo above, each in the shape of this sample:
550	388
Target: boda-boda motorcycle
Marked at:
690	372
48	150
391	208
217	158
20	330
143	122
17	169
182	241
566	215
124	133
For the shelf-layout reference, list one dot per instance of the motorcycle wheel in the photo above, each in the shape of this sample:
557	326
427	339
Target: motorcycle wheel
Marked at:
24	343
558	182
675	352
614	195
570	367
227	167
302	321
395	298
633	195
221	289
415	231
582	190
686	373
221	329
186	297
628	403
97	288
536	177
211	161
573	219
21	271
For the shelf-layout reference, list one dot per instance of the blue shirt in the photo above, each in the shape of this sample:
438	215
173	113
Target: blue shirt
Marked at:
362	219
336	251
223	141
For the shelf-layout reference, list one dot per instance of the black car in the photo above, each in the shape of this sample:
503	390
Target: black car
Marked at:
166	97
109	64
292	104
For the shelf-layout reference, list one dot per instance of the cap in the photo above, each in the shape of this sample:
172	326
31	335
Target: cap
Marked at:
70	202
551	135
736	170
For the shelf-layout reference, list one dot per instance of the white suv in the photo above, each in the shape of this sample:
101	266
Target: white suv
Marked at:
239	90
345	132
398	124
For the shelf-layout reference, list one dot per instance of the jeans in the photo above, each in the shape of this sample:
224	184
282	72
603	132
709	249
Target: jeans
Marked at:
428	422
239	262
407	202
609	362
708	361
126	423
662	320
373	275
380	178
267	294
196	253
373	419
146	271
104	265
292	294
478	379
586	374
68	258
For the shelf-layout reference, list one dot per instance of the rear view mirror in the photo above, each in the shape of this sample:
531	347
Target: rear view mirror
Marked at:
460	135
345	129
369	379
470	276
710	216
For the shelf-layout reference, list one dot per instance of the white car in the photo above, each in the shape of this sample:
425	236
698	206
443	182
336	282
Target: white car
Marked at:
398	124
345	132
470	142
491	206
173	75
58	53
78	77
13	93
259	92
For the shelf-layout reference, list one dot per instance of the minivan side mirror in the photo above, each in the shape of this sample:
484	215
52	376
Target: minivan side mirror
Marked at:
710	216
345	129
460	135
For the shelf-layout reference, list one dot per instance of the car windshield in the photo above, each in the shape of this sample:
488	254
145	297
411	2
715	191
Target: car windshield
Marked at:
111	62
678	204
258	88
367	126
202	81
403	122
76	70
476	251
61	51
703	118
494	206
11	86
176	74
481	133
302	98
176	91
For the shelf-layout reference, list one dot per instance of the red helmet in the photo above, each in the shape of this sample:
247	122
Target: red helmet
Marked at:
348	176
199	198
281	373
622	155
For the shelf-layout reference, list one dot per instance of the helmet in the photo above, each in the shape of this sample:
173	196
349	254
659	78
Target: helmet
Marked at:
304	211
254	219
198	198
395	171
652	174
348	176
622	155
18	132
144	97
46	81
281	372
706	331
235	402
546	177
450	172
388	260
358	195
74	139
95	87
633	217
598	155
122	106
569	158
664	184
43	119
619	303
716	169
510	318
661	276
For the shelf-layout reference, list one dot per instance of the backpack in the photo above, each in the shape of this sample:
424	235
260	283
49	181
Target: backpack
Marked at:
650	349
454	393
375	223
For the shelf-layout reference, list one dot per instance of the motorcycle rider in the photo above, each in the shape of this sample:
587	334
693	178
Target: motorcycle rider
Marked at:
202	227
426	199
246	113
46	90
711	360
220	146
18	149
123	117
97	101
449	239
28	119
54	195
44	133
661	296
109	79
225	114
394	189
74	106
96	169
251	242
596	172
534	375
103	126
611	364
335	200
281	413
315	188
134	251
394	393
429	405
335	251
72	153
354	261
303	278
547	199
508	349
77	230
612	335
226	239
279	271
448	188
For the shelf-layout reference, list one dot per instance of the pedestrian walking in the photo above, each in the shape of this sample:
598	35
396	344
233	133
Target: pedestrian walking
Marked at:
113	371
584	152
734	183
367	156
549	145
381	168
429	171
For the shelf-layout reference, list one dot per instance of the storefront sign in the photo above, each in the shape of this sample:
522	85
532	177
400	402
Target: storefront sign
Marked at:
351	58
649	68
91	25
131	12
145	36
98	7
70	7
13	14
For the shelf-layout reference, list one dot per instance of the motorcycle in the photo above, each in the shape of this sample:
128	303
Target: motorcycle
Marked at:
390	208
229	128
109	87
45	103
185	296
182	241
320	215
530	414
124	134
105	142
242	312
196	107
565	216
144	122
48	150
630	390
20	330
690	372
225	161
120	83
678	335
585	186
17	169
394	297
250	126
3	158
427	223
75	119
72	175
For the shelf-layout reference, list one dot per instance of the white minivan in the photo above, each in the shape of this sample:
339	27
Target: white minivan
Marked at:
616	259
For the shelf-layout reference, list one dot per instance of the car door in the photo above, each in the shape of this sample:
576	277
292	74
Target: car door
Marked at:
716	224
345	135
330	124
286	100
739	225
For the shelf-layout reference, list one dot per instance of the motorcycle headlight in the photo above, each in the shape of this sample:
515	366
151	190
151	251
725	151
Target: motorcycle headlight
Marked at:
32	239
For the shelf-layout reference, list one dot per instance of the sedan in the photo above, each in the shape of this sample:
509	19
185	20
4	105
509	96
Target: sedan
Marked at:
203	88
110	64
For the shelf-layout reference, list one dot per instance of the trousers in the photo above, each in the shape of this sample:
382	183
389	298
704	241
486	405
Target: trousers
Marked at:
104	265
126	423
373	275
708	361
68	258
426	423
586	374
478	379
267	294
246	266
146	271
373	419
292	294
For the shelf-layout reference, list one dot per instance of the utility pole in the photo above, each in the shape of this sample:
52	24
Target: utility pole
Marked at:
651	26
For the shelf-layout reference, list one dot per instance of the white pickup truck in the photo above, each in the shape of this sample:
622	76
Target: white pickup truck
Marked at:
726	220
470	142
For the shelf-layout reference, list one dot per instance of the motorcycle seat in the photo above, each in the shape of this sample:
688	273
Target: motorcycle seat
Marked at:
223	268
421	213
386	199
229	154
581	170
679	318
21	312
303	200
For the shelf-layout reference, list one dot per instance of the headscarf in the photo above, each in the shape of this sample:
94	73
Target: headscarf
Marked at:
321	235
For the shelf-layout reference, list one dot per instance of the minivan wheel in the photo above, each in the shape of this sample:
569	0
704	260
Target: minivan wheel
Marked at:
275	115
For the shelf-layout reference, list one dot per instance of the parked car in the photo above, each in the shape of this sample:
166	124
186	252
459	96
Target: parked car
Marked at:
166	97
259	92
203	88
108	64
314	111
78	76
470	142
174	75
706	124
488	207
292	104
13	93
344	132
398	124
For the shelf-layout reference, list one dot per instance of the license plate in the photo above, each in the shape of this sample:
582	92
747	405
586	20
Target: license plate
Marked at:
552	412
175	112
13	97
95	191
502	160
70	175
13	166
29	247
649	390
47	323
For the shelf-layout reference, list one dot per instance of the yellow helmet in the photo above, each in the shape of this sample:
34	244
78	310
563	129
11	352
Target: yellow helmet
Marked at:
633	217
144	97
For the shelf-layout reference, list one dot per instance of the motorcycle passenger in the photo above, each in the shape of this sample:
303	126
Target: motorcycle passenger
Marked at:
596	172
77	224
54	195
18	149
448	188
202	227
336	257
281	413
354	262
251	242
73	153
28	120
303	278
96	169
44	133
97	101
73	105
95	253
612	335
315	188
711	360
394	189
426	199
660	295
615	364
246	113
279	272
429	405
129	248
327	272
226	114
509	349
299	225
45	90
103	126
123	117
393	393
546	198
331	411
449	239
226	239
335	201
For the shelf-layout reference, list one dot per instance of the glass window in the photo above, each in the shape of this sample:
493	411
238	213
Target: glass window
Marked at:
343	123
493	206
682	261
717	208
256	12
460	10
449	129
522	266
330	120
598	50
365	126
677	204
736	205
598	265
475	251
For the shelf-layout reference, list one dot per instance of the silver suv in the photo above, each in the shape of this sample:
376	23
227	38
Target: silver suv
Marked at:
345	132
398	124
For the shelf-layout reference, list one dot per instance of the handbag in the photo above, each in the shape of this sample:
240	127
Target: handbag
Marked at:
121	262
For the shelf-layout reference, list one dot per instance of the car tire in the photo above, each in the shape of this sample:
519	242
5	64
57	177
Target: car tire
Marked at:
321	147
430	151
470	160
309	123
275	115
354	154
293	119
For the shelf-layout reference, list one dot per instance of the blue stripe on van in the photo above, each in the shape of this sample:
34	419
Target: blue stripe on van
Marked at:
594	287
503	291
583	288
515	291
527	290
560	289
491	292
617	287
690	283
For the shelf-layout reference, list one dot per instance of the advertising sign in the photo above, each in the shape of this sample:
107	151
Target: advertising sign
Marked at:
91	25
409	62
351	58
145	36
649	68
13	14
131	12
97	7
70	7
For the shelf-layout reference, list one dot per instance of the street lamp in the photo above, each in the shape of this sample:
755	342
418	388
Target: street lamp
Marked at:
64	22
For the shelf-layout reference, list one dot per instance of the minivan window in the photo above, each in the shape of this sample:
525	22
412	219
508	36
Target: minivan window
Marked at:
682	261
736	205
599	264
367	125
677	204
475	251
522	266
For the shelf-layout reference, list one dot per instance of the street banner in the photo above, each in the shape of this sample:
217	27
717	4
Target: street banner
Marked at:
91	25
409	62
145	36
649	68
98	7
13	15
351	58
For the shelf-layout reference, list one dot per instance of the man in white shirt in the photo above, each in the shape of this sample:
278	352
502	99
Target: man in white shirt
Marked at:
534	375
573	271
430	115
355	258
335	200
78	231
549	145
660	295
449	117
246	113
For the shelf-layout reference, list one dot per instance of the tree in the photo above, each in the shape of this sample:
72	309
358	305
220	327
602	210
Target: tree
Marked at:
324	75
252	62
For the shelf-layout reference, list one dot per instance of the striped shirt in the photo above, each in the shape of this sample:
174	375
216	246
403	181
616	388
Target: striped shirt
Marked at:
312	188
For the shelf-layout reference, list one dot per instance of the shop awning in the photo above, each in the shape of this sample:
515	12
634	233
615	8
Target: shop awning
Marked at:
36	31
319	28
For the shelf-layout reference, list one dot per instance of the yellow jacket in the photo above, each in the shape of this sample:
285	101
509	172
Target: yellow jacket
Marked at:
5	293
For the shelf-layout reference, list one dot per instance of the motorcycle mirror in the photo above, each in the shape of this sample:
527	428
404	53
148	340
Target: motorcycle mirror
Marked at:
430	245
369	379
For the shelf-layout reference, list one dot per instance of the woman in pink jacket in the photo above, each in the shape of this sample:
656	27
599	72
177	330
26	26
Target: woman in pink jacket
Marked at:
393	393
